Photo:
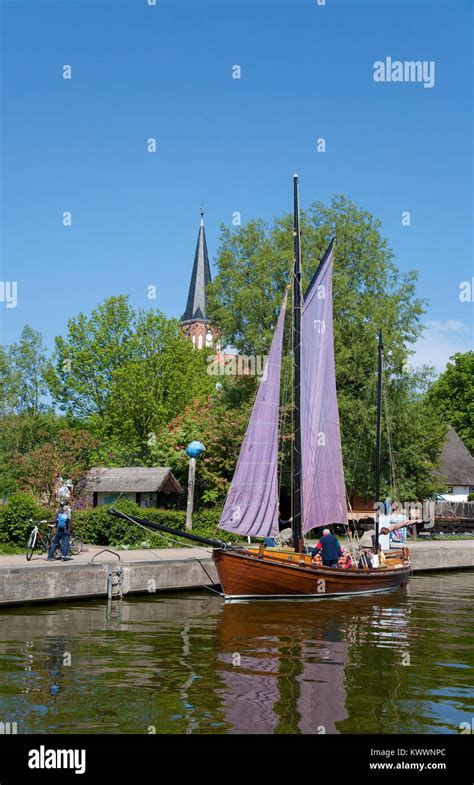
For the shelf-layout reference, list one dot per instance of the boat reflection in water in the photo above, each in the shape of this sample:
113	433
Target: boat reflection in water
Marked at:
286	672
284	682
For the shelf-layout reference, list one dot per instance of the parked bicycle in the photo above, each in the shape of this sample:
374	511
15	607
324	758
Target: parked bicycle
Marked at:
41	541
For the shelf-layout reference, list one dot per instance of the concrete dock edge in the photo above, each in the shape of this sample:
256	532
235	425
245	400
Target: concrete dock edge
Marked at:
175	569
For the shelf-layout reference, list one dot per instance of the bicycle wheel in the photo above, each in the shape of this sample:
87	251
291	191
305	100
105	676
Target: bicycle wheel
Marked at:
30	546
75	545
44	544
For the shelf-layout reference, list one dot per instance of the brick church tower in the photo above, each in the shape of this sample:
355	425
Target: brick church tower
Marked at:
194	322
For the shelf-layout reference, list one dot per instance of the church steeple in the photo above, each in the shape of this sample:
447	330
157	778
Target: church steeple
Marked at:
201	276
194	320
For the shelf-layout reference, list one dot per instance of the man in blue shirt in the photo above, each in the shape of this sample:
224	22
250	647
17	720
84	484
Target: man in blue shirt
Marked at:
329	548
61	538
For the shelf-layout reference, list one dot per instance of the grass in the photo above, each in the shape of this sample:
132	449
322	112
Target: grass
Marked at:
6	548
440	536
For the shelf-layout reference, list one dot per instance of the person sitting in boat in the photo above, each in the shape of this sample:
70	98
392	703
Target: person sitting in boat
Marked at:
330	549
365	559
317	558
345	561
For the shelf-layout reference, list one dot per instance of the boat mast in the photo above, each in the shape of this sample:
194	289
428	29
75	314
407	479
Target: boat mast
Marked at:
377	443
296	487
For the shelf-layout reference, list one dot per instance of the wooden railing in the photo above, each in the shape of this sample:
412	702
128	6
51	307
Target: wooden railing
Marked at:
428	511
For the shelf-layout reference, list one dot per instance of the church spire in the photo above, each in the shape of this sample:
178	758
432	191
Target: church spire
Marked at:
201	276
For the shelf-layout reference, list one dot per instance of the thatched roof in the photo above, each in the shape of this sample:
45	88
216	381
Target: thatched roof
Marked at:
456	463
131	479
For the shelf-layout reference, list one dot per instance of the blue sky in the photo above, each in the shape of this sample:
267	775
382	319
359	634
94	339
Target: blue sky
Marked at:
140	71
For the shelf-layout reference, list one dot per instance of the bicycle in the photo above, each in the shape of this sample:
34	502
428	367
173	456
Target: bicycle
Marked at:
75	547
39	540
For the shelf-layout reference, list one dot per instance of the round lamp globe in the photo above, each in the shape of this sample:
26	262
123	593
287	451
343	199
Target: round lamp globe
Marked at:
194	449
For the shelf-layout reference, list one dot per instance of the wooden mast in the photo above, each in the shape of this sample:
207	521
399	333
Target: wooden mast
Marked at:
297	477
377	443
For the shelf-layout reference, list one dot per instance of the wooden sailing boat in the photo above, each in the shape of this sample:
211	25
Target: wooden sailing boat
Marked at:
318	490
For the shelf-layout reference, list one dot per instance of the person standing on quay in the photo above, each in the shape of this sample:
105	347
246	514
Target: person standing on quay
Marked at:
63	532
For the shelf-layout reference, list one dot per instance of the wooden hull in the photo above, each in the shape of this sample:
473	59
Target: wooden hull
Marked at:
263	574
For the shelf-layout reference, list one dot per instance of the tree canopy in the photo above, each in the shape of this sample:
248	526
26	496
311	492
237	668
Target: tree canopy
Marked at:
85	361
125	374
220	427
452	396
22	374
132	390
254	266
370	293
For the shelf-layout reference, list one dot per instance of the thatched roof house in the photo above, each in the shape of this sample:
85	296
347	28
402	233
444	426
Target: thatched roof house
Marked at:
143	485
456	467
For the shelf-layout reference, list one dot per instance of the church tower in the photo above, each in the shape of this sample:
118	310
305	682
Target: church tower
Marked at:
194	321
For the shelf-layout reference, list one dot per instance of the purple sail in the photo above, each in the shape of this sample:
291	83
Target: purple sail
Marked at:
324	500
251	506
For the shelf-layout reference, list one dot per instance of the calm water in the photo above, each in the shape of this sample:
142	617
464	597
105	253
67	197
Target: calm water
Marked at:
188	663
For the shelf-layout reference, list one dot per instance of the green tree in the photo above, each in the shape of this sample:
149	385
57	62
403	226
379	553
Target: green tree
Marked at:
413	437
25	417
452	395
220	428
124	375
20	433
254	266
370	293
22	369
85	361
69	453
163	375
28	363
9	385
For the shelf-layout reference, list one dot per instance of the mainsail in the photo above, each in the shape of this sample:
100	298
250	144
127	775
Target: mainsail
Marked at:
324	499
251	506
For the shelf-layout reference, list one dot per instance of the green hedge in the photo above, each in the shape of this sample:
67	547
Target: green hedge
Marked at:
97	527
16	518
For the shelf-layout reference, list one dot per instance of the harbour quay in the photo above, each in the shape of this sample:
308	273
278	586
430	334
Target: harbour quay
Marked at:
98	572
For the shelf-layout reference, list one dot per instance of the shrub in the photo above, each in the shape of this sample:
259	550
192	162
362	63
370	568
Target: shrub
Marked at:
97	527
16	518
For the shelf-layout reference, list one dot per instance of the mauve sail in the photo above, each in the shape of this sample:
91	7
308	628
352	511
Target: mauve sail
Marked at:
324	499
251	506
